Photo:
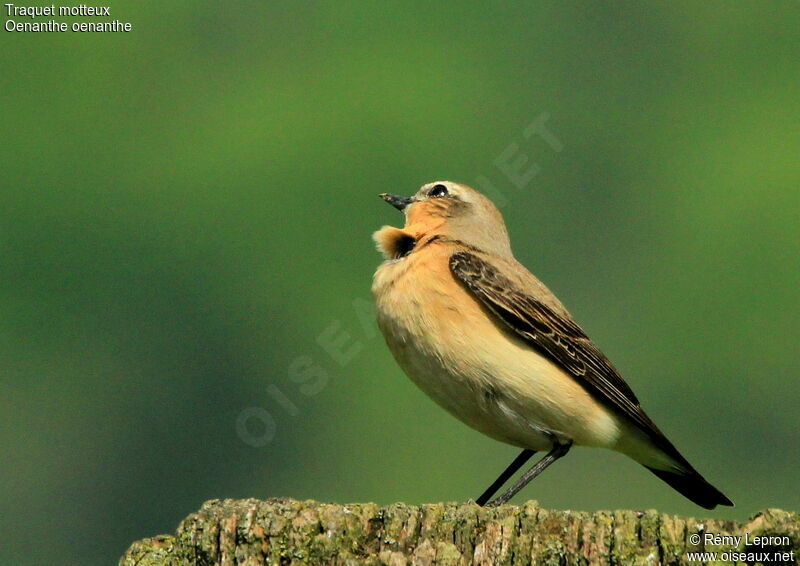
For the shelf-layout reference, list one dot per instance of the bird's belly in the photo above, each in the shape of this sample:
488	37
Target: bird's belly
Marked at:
473	401
485	376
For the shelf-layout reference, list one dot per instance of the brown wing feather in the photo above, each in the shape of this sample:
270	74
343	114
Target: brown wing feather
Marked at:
556	337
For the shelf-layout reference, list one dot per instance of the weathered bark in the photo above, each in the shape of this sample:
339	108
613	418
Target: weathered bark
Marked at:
288	532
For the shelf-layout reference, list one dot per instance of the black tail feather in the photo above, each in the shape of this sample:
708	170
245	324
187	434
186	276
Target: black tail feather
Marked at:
694	487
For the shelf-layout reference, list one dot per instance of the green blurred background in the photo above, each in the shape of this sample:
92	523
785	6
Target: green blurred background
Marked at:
185	253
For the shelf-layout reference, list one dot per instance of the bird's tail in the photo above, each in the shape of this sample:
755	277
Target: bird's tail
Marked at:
693	486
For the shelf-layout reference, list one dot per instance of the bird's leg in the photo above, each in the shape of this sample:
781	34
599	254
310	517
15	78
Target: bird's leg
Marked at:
559	450
512	468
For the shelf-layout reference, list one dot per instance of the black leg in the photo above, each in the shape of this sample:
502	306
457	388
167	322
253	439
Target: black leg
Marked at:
518	462
557	452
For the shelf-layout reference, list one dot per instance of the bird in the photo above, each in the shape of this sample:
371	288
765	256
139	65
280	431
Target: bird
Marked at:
492	345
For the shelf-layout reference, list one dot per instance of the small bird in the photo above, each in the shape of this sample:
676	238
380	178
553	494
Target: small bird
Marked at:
486	340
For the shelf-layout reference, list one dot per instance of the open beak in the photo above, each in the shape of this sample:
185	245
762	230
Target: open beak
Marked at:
400	203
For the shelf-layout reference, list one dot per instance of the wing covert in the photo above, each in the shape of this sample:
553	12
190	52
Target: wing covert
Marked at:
555	336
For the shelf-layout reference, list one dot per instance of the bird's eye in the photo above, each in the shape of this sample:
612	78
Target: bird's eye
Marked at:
438	191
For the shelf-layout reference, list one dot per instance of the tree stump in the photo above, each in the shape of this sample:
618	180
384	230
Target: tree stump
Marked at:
288	532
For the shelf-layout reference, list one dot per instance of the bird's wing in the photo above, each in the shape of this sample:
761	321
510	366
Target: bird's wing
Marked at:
555	336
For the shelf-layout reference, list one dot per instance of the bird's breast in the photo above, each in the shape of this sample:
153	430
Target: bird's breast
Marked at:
421	307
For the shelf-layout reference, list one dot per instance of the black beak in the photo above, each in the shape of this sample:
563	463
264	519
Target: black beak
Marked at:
400	203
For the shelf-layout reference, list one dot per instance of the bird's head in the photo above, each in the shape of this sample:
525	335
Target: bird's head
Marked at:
449	209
